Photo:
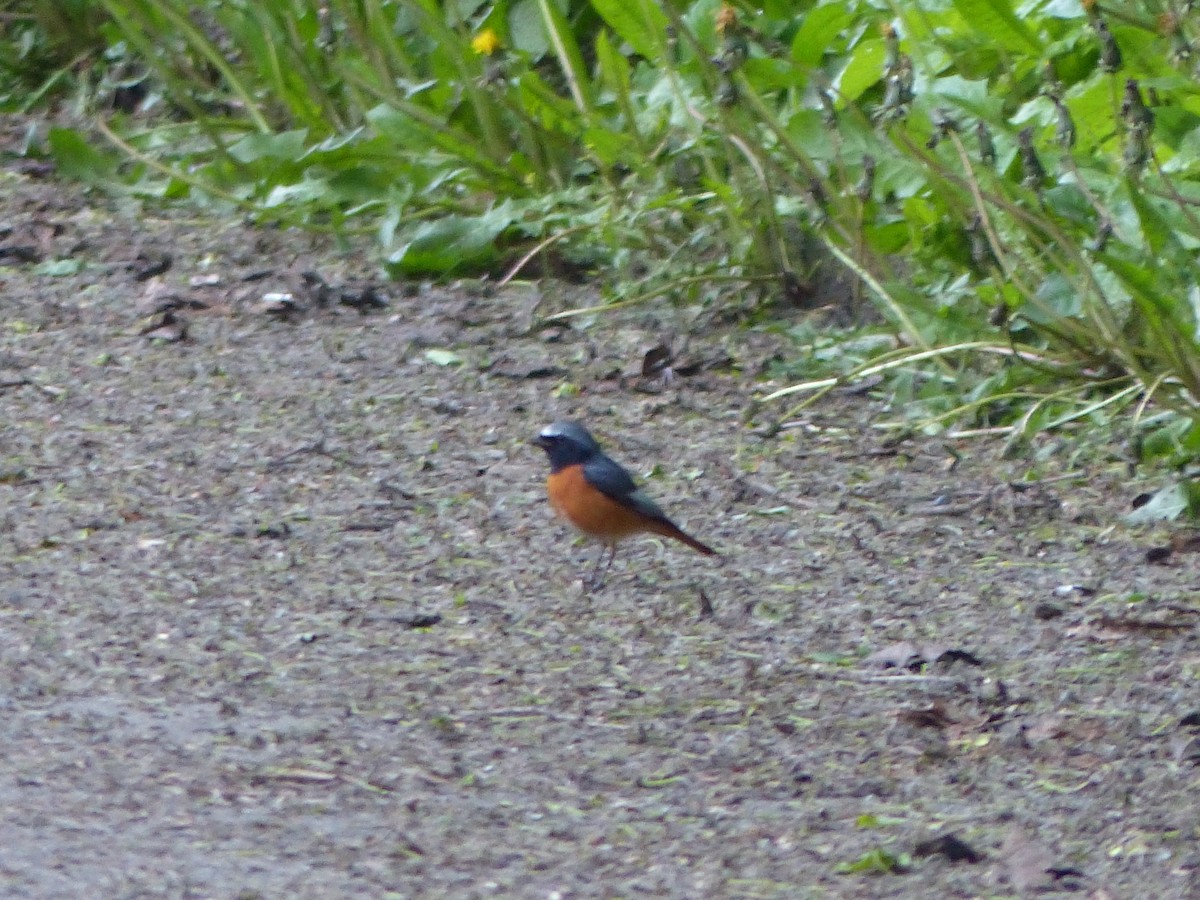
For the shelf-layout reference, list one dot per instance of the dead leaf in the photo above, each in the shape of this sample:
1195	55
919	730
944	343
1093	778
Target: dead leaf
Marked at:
30	243
158	297
1158	555
935	716
507	367
949	846
19	253
166	326
1189	752
149	265
953	655
1186	542
657	361
694	365
746	489
364	297
311	288
1026	862
1117	626
417	620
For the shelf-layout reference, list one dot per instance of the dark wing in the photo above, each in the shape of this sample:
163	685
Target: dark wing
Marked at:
610	479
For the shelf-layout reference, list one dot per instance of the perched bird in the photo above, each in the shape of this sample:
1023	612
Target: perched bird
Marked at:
598	497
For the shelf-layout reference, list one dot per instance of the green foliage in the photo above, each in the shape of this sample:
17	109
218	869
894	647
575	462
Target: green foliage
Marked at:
877	861
1021	183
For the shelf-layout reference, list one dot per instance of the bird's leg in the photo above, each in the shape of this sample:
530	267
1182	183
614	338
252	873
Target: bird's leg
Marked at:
596	579
612	554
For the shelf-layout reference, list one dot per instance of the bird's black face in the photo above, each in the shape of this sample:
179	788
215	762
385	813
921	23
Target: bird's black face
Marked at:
567	444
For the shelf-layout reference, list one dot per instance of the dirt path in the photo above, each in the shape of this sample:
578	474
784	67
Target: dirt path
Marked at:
283	612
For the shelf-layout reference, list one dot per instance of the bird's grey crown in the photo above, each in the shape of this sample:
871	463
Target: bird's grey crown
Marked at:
570	431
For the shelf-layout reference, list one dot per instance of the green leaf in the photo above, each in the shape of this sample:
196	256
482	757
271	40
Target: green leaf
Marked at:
996	20
451	244
309	190
1167	504
609	146
639	23
878	862
772	74
864	69
570	60
441	357
1156	230
614	67
76	158
57	268
525	29
287	145
818	34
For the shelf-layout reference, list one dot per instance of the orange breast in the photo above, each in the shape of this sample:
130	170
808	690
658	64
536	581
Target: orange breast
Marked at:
591	511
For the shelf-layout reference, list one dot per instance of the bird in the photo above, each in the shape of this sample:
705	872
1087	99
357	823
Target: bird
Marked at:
599	498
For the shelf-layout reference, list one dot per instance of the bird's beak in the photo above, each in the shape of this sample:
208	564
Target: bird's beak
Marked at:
540	441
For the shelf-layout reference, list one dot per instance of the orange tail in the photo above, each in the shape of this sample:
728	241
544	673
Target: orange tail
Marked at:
671	530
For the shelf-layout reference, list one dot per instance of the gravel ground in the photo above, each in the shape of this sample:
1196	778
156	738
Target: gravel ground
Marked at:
283	612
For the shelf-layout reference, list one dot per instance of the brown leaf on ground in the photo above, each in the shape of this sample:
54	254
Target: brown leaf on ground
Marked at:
1181	542
145	266
28	243
510	366
363	296
1026	861
657	361
165	326
934	716
693	365
1186	542
1158	555
949	846
1115	628
159	297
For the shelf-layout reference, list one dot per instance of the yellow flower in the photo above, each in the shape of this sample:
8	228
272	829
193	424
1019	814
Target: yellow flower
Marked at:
485	43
